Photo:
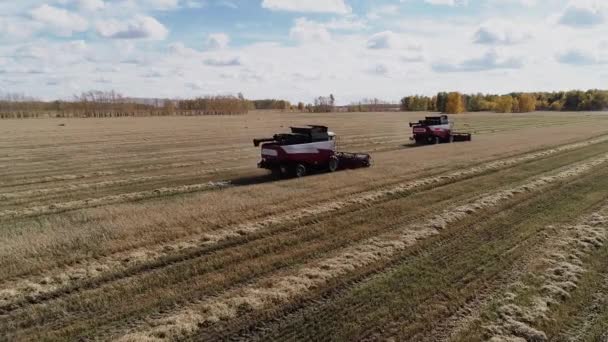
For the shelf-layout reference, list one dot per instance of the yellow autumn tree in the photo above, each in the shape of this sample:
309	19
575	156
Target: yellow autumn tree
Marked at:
455	103
527	103
504	104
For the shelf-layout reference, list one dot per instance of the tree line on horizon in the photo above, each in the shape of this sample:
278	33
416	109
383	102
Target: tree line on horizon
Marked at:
103	104
455	102
112	104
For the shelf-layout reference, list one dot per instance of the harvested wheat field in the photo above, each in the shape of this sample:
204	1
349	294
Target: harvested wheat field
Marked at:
162	229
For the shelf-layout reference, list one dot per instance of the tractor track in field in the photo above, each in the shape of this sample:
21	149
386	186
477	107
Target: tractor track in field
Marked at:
578	328
47	285
119	198
450	328
281	289
110	171
310	306
119	182
558	271
447	326
114	172
111	199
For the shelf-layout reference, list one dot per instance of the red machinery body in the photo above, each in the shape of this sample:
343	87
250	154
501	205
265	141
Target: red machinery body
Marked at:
435	130
311	154
306	149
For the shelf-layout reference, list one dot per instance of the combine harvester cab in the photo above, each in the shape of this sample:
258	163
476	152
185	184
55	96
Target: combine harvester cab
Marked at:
306	149
435	130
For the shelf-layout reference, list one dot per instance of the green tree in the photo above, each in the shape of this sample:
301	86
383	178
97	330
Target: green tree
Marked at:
442	101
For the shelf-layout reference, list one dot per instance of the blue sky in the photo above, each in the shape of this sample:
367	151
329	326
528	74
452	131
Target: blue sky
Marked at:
301	49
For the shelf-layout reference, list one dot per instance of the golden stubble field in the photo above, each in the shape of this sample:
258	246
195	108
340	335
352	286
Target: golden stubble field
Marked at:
163	229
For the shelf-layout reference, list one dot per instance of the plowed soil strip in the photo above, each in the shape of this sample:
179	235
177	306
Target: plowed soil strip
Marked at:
280	290
88	270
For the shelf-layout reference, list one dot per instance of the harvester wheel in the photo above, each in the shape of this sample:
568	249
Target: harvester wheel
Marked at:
334	163
300	170
451	139
436	140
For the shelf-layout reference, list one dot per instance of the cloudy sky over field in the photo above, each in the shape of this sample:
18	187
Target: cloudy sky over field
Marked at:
298	49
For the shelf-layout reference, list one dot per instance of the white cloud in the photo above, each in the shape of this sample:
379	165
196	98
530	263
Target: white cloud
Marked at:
163	4
306	30
383	11
61	21
488	61
195	4
351	53
90	5
584	56
447	2
218	41
312	6
581	14
223	62
380	69
390	40
500	33
345	24
139	27
179	49
17	28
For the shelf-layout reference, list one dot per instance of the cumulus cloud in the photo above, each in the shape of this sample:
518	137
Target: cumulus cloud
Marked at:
583	14
305	30
163	4
390	40
180	49
500	33
90	5
345	24
195	4
380	69
313	6
383	11
218	41
139	27
582	57
223	62
60	20
489	61
17	28
447	2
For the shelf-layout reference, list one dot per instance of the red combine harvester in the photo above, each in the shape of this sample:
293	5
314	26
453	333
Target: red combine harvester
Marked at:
436	130
306	149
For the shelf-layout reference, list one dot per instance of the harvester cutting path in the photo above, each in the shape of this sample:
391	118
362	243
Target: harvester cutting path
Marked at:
304	150
435	130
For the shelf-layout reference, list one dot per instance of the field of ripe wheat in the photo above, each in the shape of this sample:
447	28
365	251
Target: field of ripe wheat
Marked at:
154	229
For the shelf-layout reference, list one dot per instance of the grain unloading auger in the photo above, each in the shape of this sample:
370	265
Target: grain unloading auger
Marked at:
436	130
307	149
